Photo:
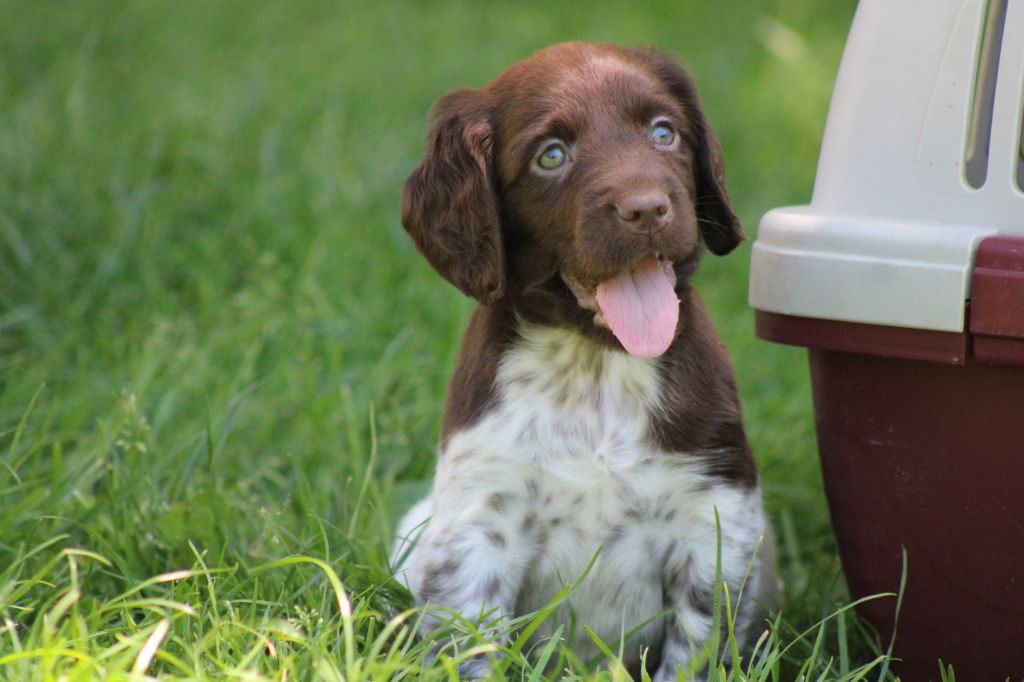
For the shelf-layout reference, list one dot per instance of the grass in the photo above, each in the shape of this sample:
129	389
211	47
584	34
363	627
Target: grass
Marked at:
222	364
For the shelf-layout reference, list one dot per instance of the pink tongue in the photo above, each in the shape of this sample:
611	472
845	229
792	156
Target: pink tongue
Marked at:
641	307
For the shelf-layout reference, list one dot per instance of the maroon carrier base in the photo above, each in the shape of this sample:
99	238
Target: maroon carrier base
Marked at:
921	438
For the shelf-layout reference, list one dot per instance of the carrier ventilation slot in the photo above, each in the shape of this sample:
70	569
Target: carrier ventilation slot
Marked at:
1020	152
980	133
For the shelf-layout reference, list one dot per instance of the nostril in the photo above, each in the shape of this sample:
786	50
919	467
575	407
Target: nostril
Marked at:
630	216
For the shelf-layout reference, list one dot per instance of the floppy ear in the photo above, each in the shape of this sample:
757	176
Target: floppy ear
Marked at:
719	226
449	203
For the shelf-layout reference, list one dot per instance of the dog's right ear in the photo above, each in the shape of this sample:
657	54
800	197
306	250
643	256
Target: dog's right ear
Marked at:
450	204
719	226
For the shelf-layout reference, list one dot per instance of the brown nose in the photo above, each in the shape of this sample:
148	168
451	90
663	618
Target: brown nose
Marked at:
644	212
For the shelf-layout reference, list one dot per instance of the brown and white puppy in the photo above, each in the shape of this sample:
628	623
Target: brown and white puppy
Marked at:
593	410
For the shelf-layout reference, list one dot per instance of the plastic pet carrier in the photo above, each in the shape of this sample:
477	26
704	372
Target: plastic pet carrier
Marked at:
904	278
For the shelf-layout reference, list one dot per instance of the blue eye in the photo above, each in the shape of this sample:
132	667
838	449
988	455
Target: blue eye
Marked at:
662	135
553	156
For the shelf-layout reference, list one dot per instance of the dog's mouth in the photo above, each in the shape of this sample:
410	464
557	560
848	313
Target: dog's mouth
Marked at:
639	305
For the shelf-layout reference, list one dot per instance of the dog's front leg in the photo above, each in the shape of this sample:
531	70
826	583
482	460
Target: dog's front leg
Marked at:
473	562
687	629
690	627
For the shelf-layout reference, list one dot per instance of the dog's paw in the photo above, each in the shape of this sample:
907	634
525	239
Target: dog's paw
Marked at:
673	673
478	668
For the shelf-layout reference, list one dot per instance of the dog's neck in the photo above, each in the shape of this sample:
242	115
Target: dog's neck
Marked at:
542	328
563	370
685	420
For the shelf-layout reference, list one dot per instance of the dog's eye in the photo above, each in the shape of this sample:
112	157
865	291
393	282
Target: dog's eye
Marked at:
554	155
662	135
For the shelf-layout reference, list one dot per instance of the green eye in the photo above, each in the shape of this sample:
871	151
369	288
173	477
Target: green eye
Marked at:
553	156
662	135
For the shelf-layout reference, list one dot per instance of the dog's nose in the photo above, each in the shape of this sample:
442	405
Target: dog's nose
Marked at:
644	212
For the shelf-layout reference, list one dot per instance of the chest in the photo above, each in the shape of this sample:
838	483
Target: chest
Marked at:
566	453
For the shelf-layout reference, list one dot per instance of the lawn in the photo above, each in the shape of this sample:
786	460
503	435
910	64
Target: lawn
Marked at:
222	363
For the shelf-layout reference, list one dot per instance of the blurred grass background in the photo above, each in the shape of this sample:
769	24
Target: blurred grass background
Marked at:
217	345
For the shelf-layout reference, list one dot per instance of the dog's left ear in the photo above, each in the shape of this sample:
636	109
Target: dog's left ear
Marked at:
449	203
719	226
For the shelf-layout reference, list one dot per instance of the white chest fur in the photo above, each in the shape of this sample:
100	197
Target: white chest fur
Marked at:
564	469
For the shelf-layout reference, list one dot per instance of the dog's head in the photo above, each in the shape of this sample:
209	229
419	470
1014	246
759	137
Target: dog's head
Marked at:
577	187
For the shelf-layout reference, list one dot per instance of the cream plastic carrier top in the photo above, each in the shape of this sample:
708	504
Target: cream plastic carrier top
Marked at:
922	158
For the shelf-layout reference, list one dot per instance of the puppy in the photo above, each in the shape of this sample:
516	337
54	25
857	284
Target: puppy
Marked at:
593	414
